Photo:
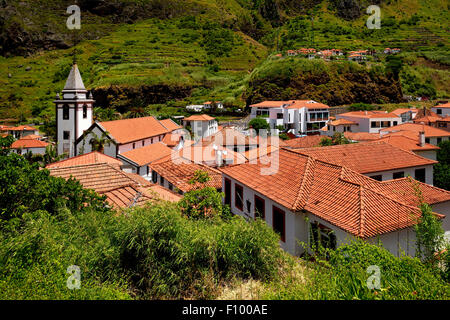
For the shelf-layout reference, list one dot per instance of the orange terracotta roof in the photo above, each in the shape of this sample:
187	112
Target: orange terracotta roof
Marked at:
361	136
399	111
427	119
200	117
129	130
367	157
305	142
120	188
415	127
170	124
444	106
269	104
98	176
309	104
32	137
408	143
22	128
145	155
228	137
369	114
206	154
28	143
304	183
179	173
342	122
88	158
172	139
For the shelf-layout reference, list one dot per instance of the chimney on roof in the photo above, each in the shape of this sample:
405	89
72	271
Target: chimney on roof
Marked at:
365	112
422	138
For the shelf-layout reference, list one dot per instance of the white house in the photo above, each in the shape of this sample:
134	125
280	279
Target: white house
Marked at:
341	126
34	146
371	121
201	125
297	116
306	196
138	160
442	110
406	114
125	135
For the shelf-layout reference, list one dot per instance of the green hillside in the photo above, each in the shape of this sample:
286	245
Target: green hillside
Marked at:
162	55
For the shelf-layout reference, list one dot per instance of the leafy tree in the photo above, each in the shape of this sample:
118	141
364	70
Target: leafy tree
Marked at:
25	189
429	235
337	139
99	143
394	65
203	202
442	169
259	124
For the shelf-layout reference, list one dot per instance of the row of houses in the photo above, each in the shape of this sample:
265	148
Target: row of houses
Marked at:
208	105
362	190
356	55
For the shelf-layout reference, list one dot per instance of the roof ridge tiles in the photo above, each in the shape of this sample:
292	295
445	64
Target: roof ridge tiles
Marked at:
303	195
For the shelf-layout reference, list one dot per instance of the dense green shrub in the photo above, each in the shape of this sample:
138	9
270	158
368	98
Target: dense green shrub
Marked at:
345	275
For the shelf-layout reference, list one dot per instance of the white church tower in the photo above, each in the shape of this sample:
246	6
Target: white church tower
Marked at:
73	113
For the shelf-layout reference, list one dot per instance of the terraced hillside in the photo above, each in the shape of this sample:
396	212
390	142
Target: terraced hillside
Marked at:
161	55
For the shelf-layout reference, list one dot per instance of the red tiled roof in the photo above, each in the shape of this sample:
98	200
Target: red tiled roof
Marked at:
32	137
120	188
369	114
399	111
361	136
304	183
342	122
172	139
22	128
408	143
28	143
88	158
228	137
415	127
200	117
269	104
367	157
180	171
444	106
206	154
128	130
145	155
305	142
170	124
309	104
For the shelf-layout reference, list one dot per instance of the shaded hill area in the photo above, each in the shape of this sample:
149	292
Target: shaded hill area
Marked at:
334	83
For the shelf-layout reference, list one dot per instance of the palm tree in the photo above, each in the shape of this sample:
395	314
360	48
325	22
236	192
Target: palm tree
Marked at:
98	143
51	155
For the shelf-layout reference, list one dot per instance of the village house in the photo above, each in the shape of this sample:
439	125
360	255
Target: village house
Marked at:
406	114
22	131
25	145
442	110
201	125
378	160
307	196
370	121
138	160
175	173
208	105
125	135
341	126
432	135
304	117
